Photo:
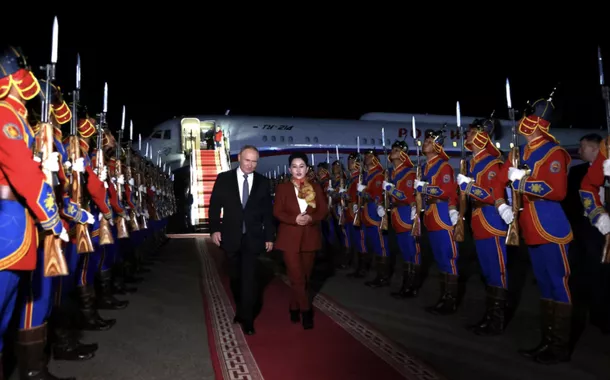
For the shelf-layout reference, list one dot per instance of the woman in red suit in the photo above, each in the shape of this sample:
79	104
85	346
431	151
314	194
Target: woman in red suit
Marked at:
299	207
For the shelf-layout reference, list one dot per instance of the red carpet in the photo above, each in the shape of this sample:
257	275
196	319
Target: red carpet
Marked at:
340	346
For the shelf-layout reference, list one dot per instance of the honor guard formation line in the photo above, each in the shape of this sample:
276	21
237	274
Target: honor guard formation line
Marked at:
82	208
80	212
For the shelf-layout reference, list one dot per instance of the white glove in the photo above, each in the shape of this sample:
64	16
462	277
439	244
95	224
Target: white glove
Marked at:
153	189
602	195
104	175
355	208
126	217
380	211
607	167
361	187
387	186
79	165
51	163
146	214
330	190
100	217
413	212
67	165
463	179
90	218
142	189
121	180
506	213
131	182
603	224
515	174
111	222
419	185
342	190
64	235
454	215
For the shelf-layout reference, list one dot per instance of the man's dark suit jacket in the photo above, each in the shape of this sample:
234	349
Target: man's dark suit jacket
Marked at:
258	213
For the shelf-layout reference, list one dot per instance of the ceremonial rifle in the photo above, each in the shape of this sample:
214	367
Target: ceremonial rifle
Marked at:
386	201
105	231
133	216
121	224
606	96
359	203
512	235
459	227
54	260
83	238
416	229
341	215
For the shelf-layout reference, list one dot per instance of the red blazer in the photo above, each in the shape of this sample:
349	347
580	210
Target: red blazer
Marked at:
290	236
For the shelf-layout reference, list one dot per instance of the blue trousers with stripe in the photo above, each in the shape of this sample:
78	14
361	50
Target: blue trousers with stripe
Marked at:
9	287
445	251
355	237
552	271
492	257
409	247
37	303
377	240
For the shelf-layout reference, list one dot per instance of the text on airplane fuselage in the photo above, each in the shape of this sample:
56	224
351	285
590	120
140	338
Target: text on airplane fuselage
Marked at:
280	127
406	132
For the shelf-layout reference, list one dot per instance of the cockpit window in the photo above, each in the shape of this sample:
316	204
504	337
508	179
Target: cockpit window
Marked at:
156	135
167	134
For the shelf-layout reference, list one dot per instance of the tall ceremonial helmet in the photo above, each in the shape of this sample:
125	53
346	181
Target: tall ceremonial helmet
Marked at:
404	151
538	116
484	130
374	159
355	158
438	138
14	70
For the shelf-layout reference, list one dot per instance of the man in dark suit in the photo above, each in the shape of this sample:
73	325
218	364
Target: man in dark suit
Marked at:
590	279
246	230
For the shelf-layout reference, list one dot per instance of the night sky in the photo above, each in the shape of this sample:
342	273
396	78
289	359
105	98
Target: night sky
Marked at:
164	63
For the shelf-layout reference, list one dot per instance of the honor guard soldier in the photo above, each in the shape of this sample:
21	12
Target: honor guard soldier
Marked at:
541	184
328	225
338	210
400	188
371	191
25	199
488	227
353	215
439	190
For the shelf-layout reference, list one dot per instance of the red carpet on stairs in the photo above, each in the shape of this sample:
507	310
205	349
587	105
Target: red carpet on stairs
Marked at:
208	168
340	346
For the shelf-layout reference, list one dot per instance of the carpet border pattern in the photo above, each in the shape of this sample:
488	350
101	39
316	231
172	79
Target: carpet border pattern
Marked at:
233	353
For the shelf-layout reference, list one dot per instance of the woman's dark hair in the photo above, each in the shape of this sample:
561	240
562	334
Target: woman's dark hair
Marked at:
300	155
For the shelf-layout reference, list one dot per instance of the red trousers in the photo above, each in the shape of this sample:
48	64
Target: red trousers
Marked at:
299	266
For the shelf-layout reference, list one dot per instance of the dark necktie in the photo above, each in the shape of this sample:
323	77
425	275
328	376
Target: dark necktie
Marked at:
244	199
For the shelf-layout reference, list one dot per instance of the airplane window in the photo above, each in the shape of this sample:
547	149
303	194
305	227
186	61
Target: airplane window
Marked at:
272	138
156	135
289	138
315	139
307	139
364	140
388	142
167	135
282	138
264	138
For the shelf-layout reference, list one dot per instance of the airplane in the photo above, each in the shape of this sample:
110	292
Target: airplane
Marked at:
277	137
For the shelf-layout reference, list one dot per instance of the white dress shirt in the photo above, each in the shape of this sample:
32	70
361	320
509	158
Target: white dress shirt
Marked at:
302	202
240	183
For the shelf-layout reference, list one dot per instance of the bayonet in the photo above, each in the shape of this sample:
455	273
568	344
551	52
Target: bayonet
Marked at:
459	226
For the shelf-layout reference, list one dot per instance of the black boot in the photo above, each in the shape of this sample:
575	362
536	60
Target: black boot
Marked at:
118	280
383	278
31	357
360	271
495	315
105	299
447	303
415	283
90	318
558	350
1	367
294	316
64	342
307	317
406	281
546	322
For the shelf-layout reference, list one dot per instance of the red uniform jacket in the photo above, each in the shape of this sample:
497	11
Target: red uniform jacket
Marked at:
292	237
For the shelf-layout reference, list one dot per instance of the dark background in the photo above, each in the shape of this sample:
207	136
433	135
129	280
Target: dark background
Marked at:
170	60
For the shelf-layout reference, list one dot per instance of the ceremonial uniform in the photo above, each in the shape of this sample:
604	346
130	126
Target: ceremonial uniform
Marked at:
372	191
439	190
544	225
23	192
488	228
337	211
328	225
353	216
401	189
